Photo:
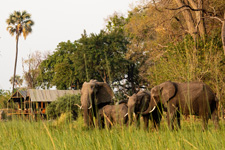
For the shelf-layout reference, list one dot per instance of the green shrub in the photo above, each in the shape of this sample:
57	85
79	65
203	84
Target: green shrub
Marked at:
65	104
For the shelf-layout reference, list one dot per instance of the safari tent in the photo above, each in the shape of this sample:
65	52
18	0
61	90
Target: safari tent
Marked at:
34	101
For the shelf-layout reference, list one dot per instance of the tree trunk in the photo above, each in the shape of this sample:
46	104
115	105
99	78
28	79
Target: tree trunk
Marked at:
188	18
131	77
199	18
223	33
14	75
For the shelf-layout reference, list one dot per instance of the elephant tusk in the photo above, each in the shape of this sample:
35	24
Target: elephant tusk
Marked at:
127	95
125	115
152	109
90	107
78	106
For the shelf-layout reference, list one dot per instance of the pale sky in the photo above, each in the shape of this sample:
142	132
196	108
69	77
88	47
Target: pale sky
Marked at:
55	21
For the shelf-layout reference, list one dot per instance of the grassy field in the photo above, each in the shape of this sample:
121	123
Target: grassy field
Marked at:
59	135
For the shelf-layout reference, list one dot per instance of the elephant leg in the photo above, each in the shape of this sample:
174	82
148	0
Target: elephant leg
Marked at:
102	123
90	121
98	122
126	121
178	119
170	119
205	119
108	124
156	118
215	119
146	121
138	120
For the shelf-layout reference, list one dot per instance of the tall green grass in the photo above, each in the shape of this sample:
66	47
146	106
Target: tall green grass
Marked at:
44	135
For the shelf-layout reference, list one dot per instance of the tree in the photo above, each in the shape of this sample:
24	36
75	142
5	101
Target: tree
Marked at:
31	69
4	96
198	15
18	81
57	68
18	23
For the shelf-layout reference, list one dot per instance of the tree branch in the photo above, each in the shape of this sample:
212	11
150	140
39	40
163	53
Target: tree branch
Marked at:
187	7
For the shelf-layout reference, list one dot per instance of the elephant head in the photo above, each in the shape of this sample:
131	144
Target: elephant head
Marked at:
161	94
93	95
138	103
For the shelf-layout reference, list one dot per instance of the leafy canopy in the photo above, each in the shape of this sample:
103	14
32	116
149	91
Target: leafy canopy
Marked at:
18	23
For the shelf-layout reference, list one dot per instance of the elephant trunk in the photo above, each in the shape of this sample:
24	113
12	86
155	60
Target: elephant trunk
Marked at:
85	104
86	118
130	112
151	107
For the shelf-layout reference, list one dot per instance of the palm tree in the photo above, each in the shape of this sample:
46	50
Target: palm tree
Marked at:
18	81
18	23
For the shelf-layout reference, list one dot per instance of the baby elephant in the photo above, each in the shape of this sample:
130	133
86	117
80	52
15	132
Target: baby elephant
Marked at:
138	103
114	114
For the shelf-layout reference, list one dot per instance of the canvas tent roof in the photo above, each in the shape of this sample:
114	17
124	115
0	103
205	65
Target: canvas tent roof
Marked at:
48	95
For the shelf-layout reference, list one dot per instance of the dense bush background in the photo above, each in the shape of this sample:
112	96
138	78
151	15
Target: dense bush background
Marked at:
65	104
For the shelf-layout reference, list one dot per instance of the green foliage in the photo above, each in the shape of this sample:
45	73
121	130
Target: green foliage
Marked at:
57	69
95	56
64	104
4	97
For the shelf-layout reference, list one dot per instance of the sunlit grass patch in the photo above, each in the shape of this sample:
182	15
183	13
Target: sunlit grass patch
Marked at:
21	134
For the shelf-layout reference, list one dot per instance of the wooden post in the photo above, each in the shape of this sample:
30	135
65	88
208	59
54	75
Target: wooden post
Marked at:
36	106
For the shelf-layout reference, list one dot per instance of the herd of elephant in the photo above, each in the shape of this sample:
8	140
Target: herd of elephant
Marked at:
195	98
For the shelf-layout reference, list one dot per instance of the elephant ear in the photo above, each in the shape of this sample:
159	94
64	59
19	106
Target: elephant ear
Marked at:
104	93
143	97
167	91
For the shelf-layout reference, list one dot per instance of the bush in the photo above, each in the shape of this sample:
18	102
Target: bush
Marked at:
64	104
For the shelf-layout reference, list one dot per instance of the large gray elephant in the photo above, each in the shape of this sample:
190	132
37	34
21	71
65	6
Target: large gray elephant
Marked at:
138	103
94	96
193	98
114	114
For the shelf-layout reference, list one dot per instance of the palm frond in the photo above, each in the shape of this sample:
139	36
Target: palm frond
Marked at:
17	14
24	12
12	31
11	19
29	22
25	15
24	33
